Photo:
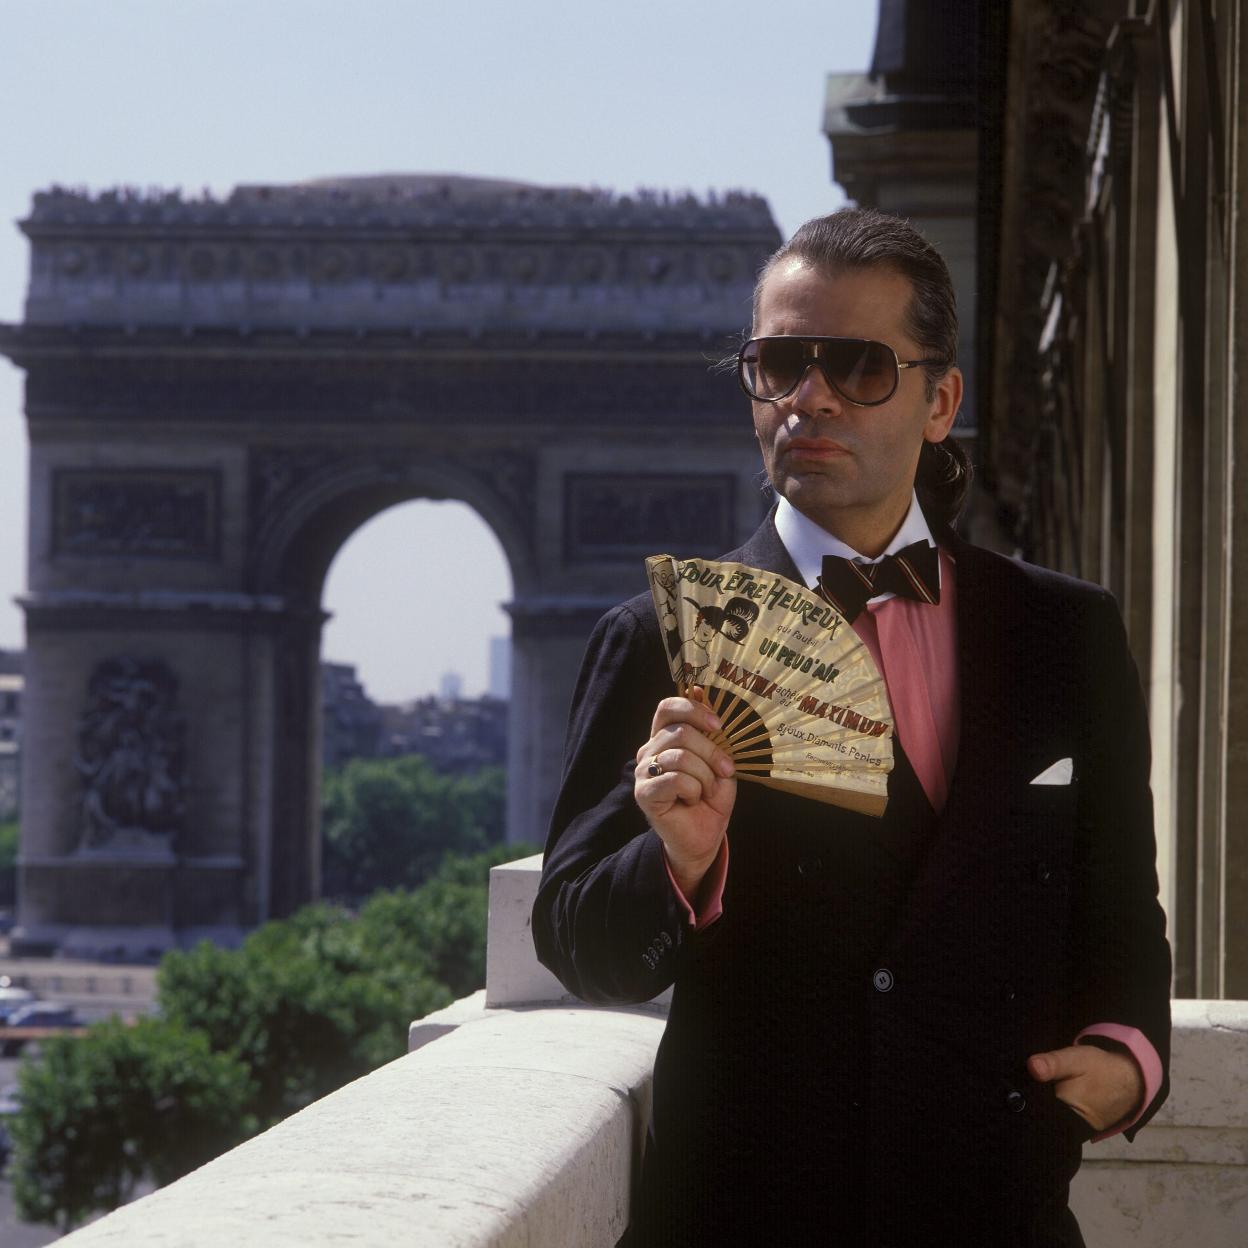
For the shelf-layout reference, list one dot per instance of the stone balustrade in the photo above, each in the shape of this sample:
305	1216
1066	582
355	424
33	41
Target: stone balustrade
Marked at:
517	1116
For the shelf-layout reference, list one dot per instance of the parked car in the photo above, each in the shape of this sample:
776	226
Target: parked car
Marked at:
11	999
43	1014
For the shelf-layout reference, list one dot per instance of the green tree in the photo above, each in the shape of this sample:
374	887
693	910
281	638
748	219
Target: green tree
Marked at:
246	1037
442	921
100	1110
8	844
8	862
304	1004
386	823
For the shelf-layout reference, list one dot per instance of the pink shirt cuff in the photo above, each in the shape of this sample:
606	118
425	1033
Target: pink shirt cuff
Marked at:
1141	1049
711	890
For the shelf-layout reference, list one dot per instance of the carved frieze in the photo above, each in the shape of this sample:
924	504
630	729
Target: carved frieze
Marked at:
398	263
131	758
136	513
621	516
399	254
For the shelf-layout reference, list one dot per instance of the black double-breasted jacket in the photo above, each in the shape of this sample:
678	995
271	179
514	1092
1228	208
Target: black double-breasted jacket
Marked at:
844	1058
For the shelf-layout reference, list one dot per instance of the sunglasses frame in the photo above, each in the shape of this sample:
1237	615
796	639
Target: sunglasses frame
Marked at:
812	343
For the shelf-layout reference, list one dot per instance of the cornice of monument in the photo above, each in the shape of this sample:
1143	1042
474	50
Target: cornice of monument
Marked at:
24	342
399	202
409	254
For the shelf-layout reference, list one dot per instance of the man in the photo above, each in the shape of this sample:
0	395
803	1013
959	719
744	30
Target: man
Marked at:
895	1030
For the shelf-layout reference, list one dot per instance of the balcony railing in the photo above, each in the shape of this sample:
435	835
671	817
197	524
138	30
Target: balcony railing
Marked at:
518	1115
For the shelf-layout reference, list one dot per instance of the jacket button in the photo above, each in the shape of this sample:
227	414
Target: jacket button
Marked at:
1008	995
1044	873
1016	1102
882	979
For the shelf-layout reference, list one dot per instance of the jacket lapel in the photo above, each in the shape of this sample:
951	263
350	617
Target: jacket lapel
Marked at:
987	650
985	639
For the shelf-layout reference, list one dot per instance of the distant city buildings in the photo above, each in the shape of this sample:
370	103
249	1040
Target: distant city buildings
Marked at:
454	733
351	721
457	736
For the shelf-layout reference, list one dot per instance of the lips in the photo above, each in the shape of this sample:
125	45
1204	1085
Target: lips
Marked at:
815	448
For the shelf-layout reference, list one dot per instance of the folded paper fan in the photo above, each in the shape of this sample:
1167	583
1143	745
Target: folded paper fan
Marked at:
803	705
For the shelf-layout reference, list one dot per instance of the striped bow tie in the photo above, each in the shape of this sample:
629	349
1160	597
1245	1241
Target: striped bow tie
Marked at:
911	573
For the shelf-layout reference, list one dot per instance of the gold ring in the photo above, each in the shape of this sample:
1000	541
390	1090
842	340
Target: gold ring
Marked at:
655	768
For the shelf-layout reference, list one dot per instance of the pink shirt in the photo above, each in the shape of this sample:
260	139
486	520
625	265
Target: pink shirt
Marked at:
914	645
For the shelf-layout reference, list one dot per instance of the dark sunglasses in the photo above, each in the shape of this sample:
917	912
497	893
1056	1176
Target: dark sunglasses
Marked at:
861	371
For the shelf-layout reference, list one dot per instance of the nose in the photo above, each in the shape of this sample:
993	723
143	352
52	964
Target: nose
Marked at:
814	395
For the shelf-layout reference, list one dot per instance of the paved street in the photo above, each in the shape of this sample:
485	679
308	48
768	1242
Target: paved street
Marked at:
94	989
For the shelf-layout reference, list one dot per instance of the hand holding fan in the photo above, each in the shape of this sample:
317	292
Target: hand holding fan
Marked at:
803	705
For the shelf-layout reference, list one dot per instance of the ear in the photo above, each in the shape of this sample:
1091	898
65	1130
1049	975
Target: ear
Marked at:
945	404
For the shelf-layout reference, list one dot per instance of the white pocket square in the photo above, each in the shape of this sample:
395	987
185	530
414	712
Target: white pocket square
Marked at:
1060	773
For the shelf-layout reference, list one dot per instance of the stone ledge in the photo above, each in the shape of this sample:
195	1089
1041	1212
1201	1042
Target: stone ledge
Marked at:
518	1128
442	1022
513	975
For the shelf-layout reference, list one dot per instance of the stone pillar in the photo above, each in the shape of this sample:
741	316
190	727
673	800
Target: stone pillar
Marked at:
295	871
547	645
140	826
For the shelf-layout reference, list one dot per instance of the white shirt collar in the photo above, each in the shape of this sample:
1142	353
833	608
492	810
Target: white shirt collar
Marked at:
807	543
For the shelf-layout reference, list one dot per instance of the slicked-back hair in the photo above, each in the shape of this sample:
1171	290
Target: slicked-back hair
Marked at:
861	238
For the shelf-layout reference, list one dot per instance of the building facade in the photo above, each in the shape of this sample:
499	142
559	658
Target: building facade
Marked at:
1118	422
1111	158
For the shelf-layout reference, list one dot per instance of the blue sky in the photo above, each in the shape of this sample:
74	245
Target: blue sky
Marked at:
217	92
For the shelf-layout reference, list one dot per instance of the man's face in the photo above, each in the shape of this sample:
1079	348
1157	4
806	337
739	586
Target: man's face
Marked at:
850	469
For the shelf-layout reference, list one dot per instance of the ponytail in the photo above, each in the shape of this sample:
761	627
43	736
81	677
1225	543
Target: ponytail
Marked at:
943	481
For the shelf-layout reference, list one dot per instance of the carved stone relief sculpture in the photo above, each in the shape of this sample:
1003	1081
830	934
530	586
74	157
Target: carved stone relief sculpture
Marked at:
131	759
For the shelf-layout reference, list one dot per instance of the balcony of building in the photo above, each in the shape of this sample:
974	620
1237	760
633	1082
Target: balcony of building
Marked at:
517	1118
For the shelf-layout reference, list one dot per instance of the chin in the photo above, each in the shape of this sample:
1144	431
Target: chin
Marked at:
814	491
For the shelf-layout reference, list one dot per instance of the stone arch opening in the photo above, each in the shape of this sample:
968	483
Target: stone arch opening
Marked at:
441	592
321	510
417	592
320	515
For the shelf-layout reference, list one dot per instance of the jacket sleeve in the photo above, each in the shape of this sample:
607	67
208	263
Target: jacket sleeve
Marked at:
607	920
1120	956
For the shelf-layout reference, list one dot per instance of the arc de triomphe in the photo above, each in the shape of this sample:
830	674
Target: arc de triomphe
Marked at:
218	393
